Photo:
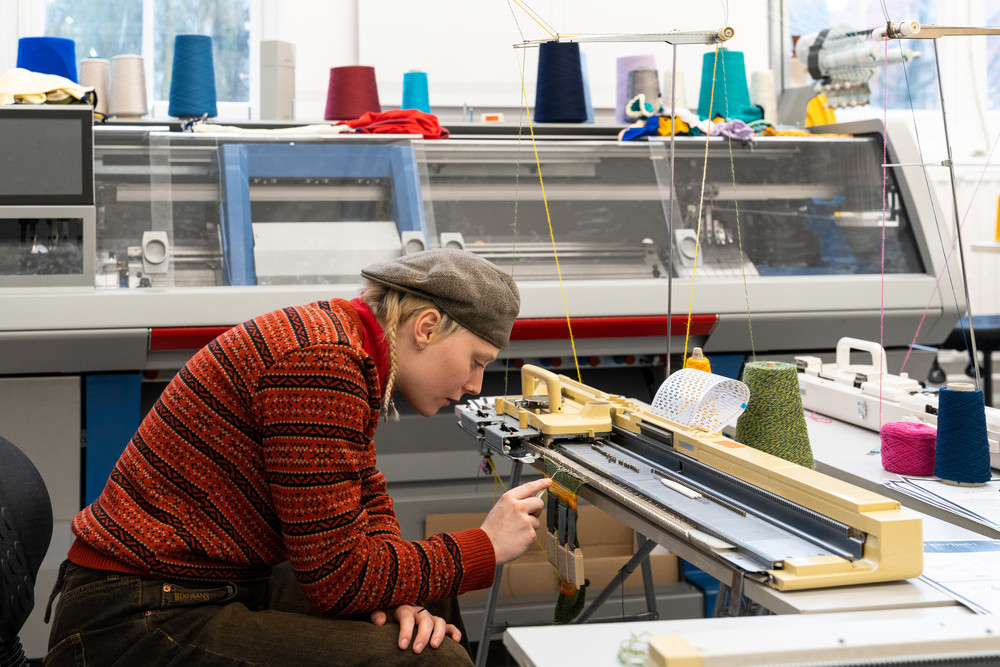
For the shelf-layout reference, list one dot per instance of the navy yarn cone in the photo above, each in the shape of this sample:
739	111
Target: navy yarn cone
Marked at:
962	454
559	93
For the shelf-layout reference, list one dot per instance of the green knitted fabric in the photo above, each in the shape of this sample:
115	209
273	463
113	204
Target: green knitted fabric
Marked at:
563	492
568	607
773	421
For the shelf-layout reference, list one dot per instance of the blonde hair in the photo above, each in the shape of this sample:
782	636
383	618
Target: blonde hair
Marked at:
391	308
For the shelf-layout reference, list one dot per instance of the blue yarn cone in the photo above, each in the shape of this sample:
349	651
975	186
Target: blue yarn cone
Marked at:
962	451
559	93
192	79
48	55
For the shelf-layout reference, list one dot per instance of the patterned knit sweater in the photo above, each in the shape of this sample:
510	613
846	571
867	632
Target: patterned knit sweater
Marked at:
260	451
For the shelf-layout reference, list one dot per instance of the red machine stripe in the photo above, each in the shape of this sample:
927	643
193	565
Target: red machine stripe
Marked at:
554	328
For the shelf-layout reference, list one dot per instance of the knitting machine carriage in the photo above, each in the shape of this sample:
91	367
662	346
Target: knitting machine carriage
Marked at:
763	517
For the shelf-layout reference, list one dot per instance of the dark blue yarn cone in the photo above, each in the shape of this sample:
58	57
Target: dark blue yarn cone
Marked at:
48	55
963	451
192	79
559	92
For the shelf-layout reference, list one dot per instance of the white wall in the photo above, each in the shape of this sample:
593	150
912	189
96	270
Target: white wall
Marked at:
467	46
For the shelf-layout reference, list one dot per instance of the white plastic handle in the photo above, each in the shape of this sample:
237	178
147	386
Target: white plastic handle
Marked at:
845	345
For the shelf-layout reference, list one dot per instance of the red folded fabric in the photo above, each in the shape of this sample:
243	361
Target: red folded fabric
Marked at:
399	121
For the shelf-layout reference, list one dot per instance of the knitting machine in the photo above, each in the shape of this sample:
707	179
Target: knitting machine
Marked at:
853	392
763	517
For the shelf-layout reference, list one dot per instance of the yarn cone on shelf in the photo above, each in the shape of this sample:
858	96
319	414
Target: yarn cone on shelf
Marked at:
352	92
48	55
192	79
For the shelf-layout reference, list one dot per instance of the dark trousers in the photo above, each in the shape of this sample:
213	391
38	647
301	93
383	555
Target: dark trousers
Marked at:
108	618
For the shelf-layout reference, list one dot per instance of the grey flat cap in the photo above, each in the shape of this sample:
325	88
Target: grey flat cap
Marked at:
471	290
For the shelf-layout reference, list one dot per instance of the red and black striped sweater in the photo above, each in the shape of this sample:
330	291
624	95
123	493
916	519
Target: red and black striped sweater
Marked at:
260	450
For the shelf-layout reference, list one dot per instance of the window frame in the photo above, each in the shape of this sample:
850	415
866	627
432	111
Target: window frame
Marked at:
27	17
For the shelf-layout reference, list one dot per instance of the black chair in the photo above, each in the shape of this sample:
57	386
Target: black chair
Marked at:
25	532
987	341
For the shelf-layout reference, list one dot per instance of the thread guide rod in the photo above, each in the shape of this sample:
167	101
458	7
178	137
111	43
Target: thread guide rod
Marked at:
684	37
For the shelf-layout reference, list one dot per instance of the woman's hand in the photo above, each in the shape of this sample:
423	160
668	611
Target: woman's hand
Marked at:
417	626
512	522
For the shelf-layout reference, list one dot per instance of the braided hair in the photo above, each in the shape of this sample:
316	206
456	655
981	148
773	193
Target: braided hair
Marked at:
391	308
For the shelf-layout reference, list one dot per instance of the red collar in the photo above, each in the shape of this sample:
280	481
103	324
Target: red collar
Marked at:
374	340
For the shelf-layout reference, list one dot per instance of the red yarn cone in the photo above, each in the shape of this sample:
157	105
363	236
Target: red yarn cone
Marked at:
352	92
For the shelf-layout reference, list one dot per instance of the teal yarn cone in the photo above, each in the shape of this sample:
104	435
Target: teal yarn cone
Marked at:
731	97
962	452
774	421
192	78
415	94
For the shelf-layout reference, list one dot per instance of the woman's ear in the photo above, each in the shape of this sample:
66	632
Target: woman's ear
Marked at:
424	326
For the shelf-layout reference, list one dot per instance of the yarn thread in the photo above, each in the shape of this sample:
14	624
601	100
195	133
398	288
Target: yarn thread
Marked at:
128	87
698	361
352	93
96	72
666	90
48	55
415	91
962	454
764	95
644	84
192	79
908	448
624	65
774	421
559	94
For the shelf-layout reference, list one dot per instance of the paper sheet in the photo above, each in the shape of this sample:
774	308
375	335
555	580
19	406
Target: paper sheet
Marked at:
967	570
979	503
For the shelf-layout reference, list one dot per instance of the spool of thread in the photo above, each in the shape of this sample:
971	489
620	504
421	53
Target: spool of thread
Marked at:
352	92
731	94
908	448
415	93
586	89
962	454
128	87
96	72
680	94
643	81
559	96
192	78
763	94
624	65
48	55
698	361
774	421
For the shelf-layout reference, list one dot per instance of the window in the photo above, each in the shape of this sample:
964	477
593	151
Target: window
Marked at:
106	28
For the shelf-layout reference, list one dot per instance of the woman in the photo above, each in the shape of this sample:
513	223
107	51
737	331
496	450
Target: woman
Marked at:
245	522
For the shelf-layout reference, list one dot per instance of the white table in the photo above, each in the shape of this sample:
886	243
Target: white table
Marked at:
598	644
842	450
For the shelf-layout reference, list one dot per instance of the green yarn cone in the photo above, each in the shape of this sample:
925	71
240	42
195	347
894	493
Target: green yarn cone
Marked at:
774	421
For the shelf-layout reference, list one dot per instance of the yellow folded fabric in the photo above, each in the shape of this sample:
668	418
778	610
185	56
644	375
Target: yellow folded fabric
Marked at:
21	86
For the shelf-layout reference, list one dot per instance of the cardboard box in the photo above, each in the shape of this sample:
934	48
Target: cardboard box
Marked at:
607	544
